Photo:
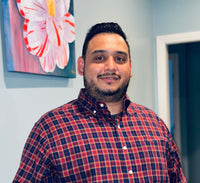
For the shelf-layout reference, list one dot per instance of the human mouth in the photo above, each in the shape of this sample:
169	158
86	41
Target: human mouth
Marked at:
109	77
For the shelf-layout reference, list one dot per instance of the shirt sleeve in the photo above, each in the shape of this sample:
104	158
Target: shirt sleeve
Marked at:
174	163
35	164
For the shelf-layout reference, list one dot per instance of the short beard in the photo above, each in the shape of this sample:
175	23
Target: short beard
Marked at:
106	95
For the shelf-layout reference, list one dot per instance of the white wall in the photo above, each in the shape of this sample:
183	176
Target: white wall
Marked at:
25	97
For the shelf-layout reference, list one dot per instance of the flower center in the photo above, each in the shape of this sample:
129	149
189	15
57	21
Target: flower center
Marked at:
51	7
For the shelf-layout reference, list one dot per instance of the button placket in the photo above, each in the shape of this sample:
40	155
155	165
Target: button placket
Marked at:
101	105
130	172
124	148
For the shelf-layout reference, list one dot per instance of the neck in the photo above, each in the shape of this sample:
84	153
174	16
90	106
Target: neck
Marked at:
115	107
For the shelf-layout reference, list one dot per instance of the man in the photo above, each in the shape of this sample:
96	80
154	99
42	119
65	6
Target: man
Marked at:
101	136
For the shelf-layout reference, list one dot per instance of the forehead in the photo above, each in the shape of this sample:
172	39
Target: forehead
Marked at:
108	42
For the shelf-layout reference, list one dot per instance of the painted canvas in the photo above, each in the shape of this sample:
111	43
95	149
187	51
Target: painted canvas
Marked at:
40	36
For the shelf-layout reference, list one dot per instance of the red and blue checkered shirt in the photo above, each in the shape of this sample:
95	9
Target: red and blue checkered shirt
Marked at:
81	142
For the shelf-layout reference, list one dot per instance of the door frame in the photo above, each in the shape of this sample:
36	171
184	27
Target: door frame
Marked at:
163	69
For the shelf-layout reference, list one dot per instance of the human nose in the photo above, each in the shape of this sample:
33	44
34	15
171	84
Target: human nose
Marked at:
110	64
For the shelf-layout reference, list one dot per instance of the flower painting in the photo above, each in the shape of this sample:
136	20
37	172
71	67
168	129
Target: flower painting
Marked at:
40	36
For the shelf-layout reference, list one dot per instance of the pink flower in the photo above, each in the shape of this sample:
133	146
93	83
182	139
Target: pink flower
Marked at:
47	30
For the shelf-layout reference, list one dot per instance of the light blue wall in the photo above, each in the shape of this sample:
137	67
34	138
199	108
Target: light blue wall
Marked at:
25	97
171	17
175	16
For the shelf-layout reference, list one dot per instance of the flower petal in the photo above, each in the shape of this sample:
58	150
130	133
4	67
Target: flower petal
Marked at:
66	5
56	56
60	8
55	31
48	63
69	28
62	56
33	9
36	38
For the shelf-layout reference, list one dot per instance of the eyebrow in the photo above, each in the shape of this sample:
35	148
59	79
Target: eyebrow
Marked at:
105	51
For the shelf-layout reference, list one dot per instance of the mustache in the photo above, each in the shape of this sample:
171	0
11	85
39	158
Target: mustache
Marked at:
109	74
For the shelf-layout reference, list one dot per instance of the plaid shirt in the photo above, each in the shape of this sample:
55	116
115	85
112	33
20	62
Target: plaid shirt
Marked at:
81	142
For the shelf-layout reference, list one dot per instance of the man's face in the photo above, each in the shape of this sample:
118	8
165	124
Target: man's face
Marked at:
107	67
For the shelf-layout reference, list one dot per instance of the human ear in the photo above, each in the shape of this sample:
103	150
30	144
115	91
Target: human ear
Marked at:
80	63
131	74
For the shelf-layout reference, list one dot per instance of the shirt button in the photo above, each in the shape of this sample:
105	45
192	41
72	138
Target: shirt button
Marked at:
118	126
124	148
130	172
102	105
94	111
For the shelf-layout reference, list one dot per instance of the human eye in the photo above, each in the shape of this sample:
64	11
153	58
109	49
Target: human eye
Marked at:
120	59
99	59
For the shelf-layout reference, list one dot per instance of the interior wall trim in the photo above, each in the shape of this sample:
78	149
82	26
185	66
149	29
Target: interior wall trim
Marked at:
163	71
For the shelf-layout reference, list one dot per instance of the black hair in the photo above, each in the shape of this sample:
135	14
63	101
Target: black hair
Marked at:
107	27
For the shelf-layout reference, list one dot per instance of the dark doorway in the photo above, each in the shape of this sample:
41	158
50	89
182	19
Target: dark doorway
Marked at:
185	84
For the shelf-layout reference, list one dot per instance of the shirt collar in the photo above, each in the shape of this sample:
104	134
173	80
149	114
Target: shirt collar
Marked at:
93	105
